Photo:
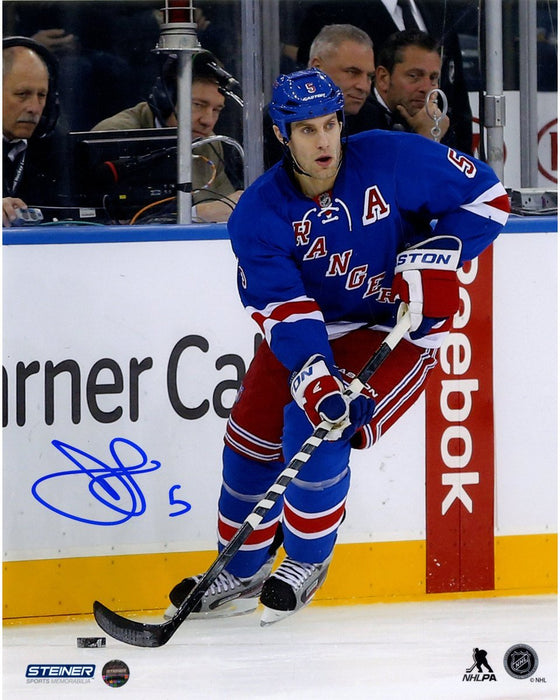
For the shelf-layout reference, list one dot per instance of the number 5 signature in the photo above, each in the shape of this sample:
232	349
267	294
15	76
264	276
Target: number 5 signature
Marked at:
112	485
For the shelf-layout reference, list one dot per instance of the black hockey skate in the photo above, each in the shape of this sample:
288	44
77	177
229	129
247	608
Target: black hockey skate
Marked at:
226	597
290	588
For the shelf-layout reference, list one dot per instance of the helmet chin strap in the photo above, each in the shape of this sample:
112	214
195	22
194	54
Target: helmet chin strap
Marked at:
295	165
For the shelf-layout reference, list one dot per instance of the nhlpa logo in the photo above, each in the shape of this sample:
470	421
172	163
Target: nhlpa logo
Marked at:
479	661
310	87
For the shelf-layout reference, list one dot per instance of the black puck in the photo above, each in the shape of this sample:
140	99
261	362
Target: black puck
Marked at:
90	642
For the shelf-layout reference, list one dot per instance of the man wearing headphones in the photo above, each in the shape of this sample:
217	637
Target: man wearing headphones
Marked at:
214	194
29	115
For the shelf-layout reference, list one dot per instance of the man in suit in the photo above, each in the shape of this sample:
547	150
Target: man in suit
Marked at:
32	161
381	18
407	70
344	53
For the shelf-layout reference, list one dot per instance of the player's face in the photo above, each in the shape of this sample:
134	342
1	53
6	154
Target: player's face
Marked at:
315	144
24	94
351	68
411	80
207	104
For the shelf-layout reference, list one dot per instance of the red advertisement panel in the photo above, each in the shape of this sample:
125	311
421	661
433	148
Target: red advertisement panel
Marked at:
460	445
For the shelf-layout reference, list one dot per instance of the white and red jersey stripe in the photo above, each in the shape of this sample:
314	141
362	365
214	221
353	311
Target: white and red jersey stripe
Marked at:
289	311
491	204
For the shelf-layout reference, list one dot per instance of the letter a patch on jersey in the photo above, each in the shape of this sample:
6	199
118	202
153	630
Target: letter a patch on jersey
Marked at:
375	207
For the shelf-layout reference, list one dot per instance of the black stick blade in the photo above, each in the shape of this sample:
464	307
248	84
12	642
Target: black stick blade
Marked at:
139	634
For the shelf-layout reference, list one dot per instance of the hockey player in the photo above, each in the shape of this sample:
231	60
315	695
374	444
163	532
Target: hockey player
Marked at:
329	242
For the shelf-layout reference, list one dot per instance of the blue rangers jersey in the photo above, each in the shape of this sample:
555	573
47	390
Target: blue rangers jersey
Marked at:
310	269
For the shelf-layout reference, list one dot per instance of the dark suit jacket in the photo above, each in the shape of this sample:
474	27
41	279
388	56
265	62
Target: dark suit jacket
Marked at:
373	18
43	177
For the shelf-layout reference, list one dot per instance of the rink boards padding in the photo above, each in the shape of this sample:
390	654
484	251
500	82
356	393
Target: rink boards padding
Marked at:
123	348
460	444
378	572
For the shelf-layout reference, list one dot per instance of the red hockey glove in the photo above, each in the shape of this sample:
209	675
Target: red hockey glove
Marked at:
426	279
319	393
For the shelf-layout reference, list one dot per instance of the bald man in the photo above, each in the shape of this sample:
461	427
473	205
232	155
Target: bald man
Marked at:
28	161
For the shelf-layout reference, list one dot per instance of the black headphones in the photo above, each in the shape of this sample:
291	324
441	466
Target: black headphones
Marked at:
163	95
50	114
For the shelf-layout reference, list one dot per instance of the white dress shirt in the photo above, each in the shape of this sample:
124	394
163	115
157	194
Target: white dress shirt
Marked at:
396	13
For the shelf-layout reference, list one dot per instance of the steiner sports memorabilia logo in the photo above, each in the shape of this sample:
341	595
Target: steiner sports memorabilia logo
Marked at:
521	661
60	673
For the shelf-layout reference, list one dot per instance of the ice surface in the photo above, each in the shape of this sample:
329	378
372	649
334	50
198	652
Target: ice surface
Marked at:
406	651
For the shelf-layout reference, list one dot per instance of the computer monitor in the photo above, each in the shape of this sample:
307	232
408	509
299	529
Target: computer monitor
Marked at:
129	167
119	173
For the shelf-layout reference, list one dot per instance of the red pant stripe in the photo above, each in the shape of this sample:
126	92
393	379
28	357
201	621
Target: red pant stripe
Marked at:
313	525
250	445
261	537
403	395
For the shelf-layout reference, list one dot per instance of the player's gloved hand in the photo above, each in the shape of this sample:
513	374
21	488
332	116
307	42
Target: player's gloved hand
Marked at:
426	279
320	394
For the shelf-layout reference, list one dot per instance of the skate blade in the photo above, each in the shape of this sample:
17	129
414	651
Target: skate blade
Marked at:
233	608
270	616
171	610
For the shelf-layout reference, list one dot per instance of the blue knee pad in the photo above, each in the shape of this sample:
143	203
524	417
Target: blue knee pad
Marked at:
244	483
314	500
312	516
248	475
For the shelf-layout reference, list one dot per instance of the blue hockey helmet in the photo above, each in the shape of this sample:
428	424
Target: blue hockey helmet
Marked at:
305	94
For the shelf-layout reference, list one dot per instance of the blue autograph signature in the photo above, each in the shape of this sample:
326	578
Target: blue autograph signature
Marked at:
113	486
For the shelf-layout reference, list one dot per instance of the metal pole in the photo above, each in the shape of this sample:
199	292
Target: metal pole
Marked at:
178	37
184	138
271	57
494	99
528	92
251	30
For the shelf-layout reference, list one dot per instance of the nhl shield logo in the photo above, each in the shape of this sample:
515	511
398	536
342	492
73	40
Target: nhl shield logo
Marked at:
325	200
521	661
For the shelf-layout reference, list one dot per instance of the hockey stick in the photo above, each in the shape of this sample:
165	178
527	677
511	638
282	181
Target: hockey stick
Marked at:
154	635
